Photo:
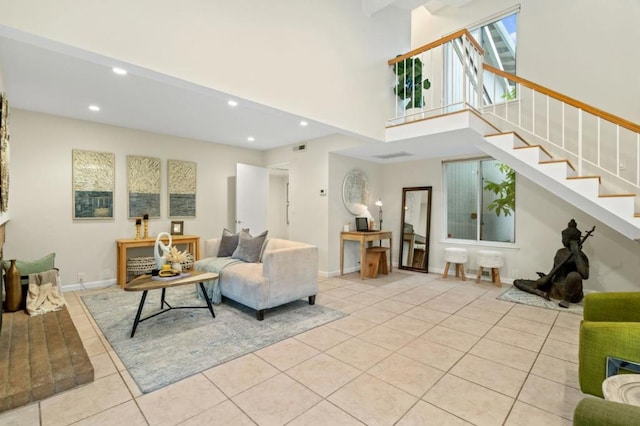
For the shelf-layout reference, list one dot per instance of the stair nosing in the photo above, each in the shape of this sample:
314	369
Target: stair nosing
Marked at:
558	161
585	177
615	195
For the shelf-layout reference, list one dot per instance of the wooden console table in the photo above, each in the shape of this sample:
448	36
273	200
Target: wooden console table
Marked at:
124	244
363	238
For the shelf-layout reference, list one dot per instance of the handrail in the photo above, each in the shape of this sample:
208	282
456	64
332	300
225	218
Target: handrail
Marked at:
437	43
566	99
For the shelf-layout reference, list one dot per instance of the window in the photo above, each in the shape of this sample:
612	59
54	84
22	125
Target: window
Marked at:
480	200
498	38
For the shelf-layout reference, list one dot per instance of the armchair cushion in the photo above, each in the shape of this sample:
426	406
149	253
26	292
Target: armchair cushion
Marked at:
599	412
614	306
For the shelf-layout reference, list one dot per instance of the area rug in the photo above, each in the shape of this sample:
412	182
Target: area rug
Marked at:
183	342
518	296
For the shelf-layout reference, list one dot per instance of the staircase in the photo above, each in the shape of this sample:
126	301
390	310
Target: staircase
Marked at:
584	155
559	177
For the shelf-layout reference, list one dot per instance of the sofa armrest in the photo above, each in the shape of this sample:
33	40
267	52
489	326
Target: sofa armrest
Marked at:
596	411
211	247
612	306
600	339
291	267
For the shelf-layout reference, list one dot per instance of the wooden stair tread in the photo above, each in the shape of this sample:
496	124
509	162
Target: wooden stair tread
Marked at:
509	133
586	177
616	195
558	161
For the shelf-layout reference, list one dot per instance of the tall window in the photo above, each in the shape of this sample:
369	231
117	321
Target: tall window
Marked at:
498	37
480	200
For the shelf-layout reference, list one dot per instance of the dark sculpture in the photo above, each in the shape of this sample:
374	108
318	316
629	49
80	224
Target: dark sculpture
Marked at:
570	267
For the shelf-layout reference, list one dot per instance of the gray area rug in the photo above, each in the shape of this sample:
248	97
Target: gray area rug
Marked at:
519	296
184	342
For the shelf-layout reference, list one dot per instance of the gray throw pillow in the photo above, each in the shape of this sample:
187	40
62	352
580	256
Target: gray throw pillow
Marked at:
228	243
249	248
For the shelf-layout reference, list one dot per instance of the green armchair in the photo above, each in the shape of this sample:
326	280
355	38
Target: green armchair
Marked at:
598	412
610	327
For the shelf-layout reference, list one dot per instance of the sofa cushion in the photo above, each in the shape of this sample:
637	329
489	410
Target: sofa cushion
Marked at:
249	248
228	243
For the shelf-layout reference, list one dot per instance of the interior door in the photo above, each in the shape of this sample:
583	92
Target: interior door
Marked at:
252	189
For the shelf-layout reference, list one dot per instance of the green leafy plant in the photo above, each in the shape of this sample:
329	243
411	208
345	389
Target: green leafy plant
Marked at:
510	95
410	84
505	191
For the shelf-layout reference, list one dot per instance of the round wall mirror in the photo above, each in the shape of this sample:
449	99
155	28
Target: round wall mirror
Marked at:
355	192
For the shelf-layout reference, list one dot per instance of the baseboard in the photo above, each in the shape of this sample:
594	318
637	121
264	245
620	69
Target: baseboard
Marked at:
88	286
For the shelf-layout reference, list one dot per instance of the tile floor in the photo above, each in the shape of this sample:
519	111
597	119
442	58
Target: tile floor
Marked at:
415	350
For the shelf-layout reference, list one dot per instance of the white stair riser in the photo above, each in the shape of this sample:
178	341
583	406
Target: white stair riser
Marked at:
558	171
589	188
622	206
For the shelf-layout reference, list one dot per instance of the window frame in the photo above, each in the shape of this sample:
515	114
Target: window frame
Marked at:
479	188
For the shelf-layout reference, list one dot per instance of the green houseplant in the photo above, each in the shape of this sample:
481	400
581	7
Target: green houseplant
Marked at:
505	191
410	84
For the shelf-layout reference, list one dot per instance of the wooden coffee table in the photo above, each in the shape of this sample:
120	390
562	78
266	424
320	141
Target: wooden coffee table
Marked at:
145	283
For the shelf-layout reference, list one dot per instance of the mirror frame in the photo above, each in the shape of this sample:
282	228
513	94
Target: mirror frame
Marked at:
427	230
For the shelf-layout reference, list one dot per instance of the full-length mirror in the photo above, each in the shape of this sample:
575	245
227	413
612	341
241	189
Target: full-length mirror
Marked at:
416	225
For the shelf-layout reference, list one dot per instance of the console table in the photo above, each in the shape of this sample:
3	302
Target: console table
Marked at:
363	238
193	241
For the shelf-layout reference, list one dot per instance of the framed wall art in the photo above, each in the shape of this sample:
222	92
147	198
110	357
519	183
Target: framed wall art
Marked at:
93	176
181	185
143	186
4	154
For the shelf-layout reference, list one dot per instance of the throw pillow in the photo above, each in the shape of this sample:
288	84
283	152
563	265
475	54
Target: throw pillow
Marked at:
32	267
229	242
249	248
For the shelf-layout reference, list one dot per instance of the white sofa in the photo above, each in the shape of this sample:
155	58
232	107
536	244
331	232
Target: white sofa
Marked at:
288	271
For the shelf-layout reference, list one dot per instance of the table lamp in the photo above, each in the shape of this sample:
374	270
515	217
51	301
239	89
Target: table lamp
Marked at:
379	204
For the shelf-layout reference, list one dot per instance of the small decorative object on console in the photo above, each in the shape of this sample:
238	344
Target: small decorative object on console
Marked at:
145	218
138	225
177	227
160	250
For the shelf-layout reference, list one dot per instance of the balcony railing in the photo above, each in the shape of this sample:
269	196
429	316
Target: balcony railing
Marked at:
595	141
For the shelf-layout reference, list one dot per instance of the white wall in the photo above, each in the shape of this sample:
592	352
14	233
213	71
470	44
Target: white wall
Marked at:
4	216
540	219
325	60
581	48
41	197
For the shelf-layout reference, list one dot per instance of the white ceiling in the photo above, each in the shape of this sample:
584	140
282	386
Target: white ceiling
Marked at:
49	77
44	76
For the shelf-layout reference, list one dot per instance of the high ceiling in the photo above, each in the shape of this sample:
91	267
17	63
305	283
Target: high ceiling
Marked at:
45	76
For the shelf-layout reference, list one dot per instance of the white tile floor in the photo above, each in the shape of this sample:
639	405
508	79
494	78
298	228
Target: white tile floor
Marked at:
415	350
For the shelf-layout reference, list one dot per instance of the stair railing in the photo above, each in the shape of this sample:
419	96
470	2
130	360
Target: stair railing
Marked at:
594	139
453	66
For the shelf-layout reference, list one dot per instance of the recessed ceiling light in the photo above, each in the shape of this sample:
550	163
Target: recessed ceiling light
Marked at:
303	123
94	108
251	139
119	71
232	103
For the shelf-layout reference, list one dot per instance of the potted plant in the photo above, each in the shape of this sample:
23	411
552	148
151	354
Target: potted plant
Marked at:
409	85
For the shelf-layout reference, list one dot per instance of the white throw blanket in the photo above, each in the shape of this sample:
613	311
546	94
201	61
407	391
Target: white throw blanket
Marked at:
44	295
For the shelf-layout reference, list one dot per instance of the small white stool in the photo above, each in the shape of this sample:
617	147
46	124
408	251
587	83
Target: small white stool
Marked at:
457	256
490	259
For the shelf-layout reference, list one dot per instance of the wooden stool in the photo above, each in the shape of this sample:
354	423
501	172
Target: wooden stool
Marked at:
376	261
490	259
457	256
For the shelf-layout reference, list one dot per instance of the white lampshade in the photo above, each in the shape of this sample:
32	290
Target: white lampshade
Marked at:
379	203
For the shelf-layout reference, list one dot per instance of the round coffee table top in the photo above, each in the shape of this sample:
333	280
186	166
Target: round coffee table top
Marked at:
623	388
